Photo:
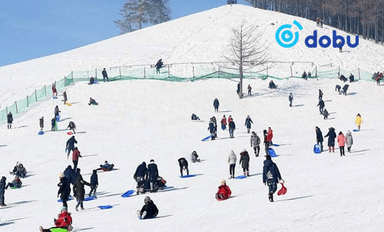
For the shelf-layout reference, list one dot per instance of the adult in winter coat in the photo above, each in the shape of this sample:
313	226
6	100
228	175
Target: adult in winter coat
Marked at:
320	95
270	136
158	66
105	75
57	111
64	221
232	164
215	125
140	173
149	209
223	123
331	139
341	141
249	90
216	104
255	143
271	176
349	139
358	121
183	163
75	157
290	98
19	170
65	97
78	189
54	90
232	128
224	191
230	118
321	106
64	189
9	120
266	143
2	191
53	124
211	128
195	157
72	126
338	88
153	174
244	161
41	122
325	114
344	90
319	137
68	172
248	122
70	145
94	183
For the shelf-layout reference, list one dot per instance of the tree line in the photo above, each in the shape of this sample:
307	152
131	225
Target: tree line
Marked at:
361	17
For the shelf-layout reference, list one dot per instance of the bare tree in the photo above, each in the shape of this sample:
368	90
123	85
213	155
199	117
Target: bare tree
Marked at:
246	50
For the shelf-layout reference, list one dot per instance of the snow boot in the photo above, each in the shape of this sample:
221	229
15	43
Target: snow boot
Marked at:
248	173
270	197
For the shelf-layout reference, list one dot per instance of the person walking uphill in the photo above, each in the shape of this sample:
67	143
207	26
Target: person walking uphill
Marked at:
349	139
290	98
248	122
75	157
211	128
271	176
255	143
232	164
232	128
216	104
331	139
321	106
2	190
9	120
223	123
319	138
70	146
64	189
94	183
244	161
78	189
158	66
358	121
341	140
41	122
105	75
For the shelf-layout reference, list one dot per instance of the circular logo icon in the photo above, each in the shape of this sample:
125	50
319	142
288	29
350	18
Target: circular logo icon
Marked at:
285	37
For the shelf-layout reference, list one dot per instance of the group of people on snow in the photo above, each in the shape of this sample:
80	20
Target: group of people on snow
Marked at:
147	178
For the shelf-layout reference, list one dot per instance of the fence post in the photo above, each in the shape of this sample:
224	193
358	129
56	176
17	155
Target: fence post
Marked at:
17	111
338	72
72	77
358	69
193	71
219	73
144	72
291	70
96	72
36	94
267	71
316	71
27	102
168	71
120	72
45	90
6	110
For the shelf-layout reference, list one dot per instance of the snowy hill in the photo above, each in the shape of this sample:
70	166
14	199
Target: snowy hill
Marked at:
141	120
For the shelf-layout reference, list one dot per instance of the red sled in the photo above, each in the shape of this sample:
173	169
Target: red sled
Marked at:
283	190
69	133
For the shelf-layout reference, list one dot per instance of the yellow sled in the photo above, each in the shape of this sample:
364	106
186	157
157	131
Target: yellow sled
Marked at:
68	104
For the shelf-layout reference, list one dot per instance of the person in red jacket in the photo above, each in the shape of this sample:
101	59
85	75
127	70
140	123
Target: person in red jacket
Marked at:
75	157
230	118
223	123
341	140
224	191
269	136
64	221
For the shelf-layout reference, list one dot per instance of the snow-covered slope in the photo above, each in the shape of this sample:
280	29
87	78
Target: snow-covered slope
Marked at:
141	120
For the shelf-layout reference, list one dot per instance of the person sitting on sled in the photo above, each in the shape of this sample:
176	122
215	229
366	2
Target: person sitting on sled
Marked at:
106	166
63	221
224	191
149	209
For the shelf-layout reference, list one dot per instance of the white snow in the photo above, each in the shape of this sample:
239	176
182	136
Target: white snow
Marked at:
141	120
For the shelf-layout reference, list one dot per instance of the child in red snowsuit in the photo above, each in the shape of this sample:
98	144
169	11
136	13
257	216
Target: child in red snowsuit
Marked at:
64	221
224	191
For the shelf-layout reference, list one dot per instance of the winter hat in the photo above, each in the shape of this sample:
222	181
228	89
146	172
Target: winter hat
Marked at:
151	161
147	199
268	157
61	175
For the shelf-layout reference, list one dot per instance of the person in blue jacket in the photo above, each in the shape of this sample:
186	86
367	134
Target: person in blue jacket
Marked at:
94	183
68	172
212	129
216	104
248	122
2	190
70	146
153	173
331	139
271	176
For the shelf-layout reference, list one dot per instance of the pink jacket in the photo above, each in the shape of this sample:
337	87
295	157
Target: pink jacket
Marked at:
341	140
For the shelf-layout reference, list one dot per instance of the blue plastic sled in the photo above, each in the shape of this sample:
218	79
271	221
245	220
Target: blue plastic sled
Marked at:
187	176
105	206
90	198
355	130
317	149
58	118
275	145
241	177
272	152
40	133
206	138
69	199
128	193
54	97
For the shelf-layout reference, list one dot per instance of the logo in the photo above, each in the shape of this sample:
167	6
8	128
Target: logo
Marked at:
287	39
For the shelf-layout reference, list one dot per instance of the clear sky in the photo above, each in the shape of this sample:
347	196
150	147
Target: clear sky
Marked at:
32	29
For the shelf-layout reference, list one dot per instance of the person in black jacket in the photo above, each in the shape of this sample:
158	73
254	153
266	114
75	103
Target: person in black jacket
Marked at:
53	124
3	187
319	138
70	146
57	111
232	128
321	106
94	183
183	163
244	161
271	176
64	189
41	121
320	95
9	120
153	173
216	104
105	75
247	123
72	126
68	172
149	209
158	66
331	139
65	97
290	98
78	189
141	174
211	128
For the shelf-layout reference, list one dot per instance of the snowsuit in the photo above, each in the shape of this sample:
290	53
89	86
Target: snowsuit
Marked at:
349	138
149	210
223	123
232	163
2	190
183	163
271	176
64	190
153	173
341	140
358	121
78	189
215	125
70	145
224	192
244	161
216	104
290	98
319	138
211	128
9	120
105	75
331	139
64	220
247	123
94	183
255	143
232	128
321	106
75	157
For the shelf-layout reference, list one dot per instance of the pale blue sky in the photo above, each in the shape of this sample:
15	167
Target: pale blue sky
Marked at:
32	29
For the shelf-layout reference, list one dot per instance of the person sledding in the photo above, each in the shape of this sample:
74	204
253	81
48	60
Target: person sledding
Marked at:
195	117
72	126
224	191
140	176
92	101
19	170
271	176
195	157
64	221
16	183
106	166
183	163
149	209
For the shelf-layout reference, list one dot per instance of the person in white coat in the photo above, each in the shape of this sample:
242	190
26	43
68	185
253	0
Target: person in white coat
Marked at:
232	163
349	138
